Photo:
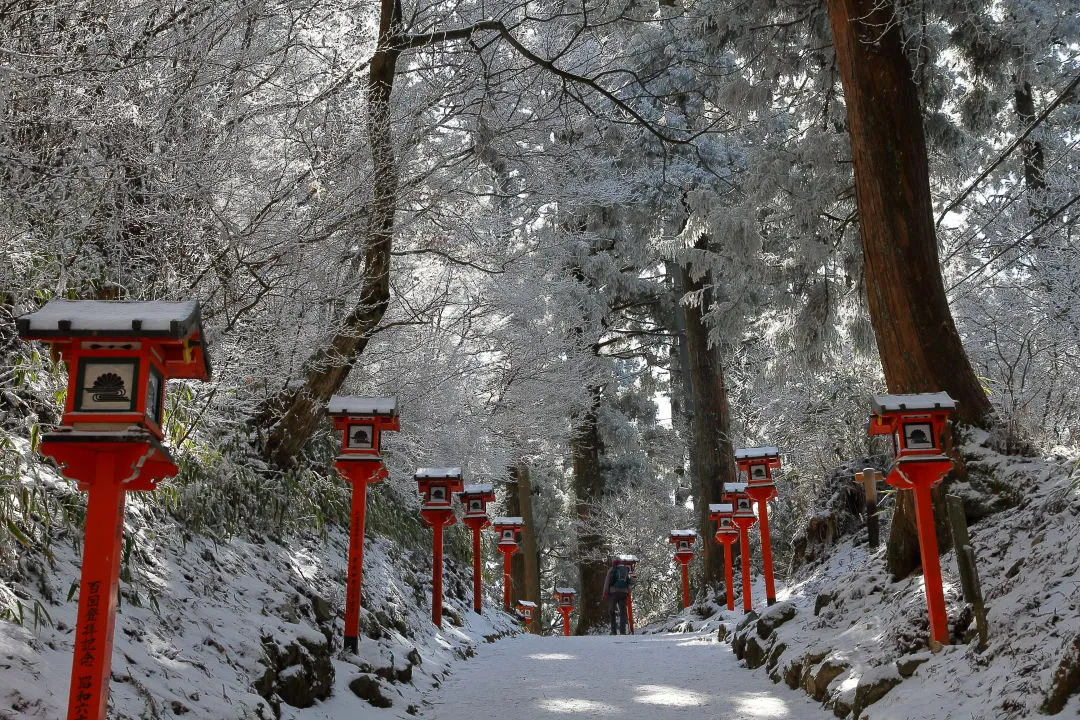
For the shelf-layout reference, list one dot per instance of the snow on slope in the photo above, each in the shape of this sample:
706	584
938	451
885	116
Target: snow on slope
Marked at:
851	616
211	615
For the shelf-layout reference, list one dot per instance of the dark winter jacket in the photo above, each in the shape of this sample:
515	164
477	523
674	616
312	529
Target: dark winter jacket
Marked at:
608	590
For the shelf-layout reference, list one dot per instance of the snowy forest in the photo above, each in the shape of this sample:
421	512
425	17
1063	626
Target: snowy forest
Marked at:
591	247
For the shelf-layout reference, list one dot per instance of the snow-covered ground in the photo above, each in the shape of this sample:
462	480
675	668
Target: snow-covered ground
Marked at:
853	626
660	677
204	625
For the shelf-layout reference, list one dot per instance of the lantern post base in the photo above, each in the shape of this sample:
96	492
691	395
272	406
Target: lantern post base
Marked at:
729	574
744	543
762	495
507	575
106	465
359	472
437	519
921	474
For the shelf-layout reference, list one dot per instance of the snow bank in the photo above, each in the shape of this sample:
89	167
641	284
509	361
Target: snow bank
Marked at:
205	626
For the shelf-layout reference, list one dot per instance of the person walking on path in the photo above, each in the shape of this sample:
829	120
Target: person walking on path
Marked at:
617	584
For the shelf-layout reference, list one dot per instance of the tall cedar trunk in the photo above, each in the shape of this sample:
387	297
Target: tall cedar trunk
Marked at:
679	391
525	566
917	339
589	489
291	416
919	346
712	460
1034	161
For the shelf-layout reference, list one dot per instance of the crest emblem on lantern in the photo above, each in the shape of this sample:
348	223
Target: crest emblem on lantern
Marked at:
106	386
919	436
361	436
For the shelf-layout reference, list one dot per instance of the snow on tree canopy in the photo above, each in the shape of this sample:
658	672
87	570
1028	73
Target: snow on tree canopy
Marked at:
347	405
758	452
918	401
439	472
734	487
721	508
176	320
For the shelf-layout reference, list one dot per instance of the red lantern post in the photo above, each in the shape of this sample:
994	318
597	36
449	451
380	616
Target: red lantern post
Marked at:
474	498
683	540
758	464
744	519
509	531
362	421
438	486
727	535
917	424
119	356
564	597
631	562
526	610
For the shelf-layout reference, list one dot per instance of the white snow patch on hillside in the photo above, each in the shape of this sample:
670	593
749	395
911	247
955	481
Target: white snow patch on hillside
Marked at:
193	628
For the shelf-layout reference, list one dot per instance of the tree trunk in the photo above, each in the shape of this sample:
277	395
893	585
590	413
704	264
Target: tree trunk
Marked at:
589	489
525	566
712	460
917	339
290	416
1034	160
919	346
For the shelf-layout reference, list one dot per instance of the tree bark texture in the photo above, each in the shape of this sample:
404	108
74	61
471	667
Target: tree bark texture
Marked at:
292	415
1034	160
589	489
919	346
712	458
525	565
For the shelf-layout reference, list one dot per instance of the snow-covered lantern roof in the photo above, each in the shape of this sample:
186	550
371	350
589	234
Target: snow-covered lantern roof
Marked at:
564	596
438	485
119	355
474	498
629	560
758	463
362	421
683	540
722	514
916	422
744	505
508	529
525	609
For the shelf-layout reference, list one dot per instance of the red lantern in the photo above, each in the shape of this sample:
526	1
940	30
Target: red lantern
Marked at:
526	610
361	422
119	356
727	535
744	518
917	424
508	529
565	599
683	540
474	498
759	464
438	486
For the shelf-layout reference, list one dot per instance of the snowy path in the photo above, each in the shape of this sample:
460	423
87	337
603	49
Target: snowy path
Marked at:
661	677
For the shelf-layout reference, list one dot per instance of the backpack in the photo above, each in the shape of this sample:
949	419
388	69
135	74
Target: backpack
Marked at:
620	578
